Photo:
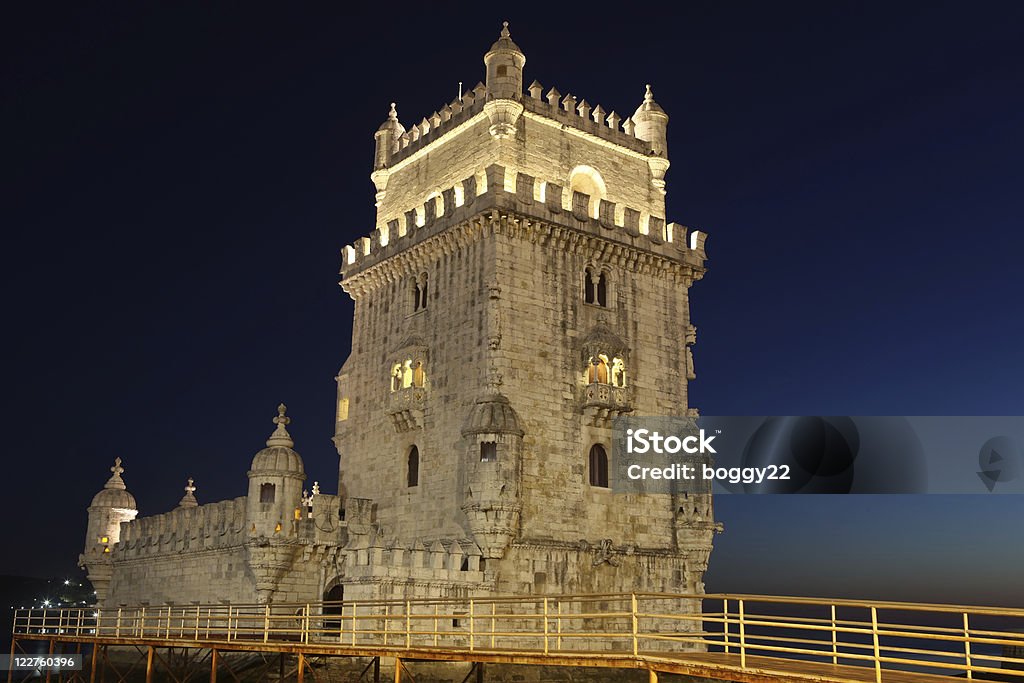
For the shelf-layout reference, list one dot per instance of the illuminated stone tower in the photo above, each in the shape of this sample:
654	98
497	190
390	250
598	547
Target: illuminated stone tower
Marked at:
521	288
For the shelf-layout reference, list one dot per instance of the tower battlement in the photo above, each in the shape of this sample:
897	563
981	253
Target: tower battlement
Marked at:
504	189
558	141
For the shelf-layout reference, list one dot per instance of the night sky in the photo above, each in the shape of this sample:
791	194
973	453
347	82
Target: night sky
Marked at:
178	182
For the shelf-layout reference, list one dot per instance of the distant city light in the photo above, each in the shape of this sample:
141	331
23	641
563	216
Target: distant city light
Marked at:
67	582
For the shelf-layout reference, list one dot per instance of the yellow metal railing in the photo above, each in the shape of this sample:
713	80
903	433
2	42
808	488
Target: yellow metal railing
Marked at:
952	640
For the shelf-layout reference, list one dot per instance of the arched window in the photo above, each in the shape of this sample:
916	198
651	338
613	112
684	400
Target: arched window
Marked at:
598	466
419	292
267	493
396	377
407	374
598	371
419	377
586	180
413	478
595	287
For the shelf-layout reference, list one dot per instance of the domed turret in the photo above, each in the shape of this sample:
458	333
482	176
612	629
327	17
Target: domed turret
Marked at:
504	62
109	508
386	137
275	482
493	436
652	124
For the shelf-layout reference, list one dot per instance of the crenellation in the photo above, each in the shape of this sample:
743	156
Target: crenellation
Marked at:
630	221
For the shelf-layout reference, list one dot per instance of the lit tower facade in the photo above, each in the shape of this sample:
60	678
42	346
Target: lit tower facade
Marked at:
521	288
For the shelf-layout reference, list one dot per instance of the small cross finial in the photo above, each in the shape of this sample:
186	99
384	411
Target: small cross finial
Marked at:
649	95
504	29
190	488
117	469
281	418
393	114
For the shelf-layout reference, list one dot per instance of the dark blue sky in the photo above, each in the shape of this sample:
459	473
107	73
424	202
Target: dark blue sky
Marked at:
178	183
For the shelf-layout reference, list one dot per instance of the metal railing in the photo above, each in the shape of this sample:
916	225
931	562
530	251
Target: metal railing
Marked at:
729	630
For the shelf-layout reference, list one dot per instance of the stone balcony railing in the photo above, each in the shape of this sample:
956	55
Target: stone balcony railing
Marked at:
601	402
405	408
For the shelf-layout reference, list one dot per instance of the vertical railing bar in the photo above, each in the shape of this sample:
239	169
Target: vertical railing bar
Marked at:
229	623
142	622
387	615
545	625
636	623
743	636
353	624
558	626
408	624
266	623
494	610
725	623
198	612
967	649
874	638
305	626
436	624
835	638
472	626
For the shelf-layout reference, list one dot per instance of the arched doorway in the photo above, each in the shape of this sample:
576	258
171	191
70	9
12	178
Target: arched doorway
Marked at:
333	605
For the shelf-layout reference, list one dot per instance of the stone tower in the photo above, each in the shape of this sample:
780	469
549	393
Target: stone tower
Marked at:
521	288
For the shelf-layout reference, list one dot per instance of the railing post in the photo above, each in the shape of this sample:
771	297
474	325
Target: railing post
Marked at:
266	623
305	625
835	638
725	623
874	639
545	625
558	626
436	624
472	626
167	632
229	623
408	624
494	610
353	624
636	644
197	622
743	636
967	648
142	622
387	614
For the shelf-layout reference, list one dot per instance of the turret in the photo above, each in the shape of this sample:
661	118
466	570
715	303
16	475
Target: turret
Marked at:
651	125
386	137
504	62
504	90
275	484
493	439
108	509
